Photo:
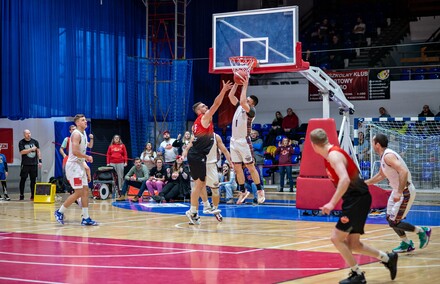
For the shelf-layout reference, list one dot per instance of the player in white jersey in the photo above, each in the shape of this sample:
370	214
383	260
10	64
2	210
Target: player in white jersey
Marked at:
76	172
394	168
241	144
212	177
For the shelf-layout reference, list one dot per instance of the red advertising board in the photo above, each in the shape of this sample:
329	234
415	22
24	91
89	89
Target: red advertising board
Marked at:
6	139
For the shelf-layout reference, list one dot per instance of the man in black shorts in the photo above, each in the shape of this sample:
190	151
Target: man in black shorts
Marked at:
201	143
356	202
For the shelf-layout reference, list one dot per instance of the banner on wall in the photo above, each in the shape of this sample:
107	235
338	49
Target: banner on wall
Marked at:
358	85
6	143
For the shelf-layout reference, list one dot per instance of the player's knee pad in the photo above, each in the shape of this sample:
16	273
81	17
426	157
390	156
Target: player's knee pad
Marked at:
215	191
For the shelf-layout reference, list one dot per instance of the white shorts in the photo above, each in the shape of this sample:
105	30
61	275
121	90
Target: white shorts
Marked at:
241	151
212	179
76	175
393	208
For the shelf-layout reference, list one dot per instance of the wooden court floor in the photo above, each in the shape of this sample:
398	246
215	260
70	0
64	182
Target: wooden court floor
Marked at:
136	243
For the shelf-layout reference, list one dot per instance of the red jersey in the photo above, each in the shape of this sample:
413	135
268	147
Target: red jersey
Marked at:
356	183
203	137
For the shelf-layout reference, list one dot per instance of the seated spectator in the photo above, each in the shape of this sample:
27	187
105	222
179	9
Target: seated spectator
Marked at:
383	112
290	123
363	148
178	185
359	32
426	112
148	156
157	178
336	54
227	182
285	152
257	144
275	130
135	177
250	185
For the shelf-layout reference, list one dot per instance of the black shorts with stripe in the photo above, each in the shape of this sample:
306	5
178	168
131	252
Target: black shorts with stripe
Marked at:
355	211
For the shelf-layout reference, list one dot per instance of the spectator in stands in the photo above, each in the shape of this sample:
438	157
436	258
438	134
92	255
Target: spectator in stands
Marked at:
426	112
275	129
181	142
250	185
285	152
178	186
135	177
257	144
383	112
117	157
148	156
311	58
157	177
336	54
170	151
290	123
359	32
324	30
363	147
227	182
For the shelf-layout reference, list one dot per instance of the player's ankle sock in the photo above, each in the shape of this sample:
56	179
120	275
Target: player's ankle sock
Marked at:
258	186
193	209
85	212
383	256
241	188
356	269
62	209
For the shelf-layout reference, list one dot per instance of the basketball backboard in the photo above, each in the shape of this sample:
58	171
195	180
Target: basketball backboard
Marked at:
270	35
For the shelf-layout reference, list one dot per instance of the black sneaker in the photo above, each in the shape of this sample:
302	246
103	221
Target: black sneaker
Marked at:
392	264
7	197
21	197
354	278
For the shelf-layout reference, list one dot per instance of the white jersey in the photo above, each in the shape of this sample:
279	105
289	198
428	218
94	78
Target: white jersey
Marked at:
242	122
82	148
391	174
212	156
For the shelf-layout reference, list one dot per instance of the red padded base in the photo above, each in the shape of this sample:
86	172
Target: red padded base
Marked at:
313	193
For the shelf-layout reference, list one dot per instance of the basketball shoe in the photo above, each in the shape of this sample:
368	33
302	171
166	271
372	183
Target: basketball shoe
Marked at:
6	197
211	210
194	218
59	217
219	217
404	247
88	222
242	197
391	265
261	196
353	277
424	237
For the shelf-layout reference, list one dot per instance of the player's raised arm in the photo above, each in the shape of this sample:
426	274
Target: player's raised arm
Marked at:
232	98
243	96
207	117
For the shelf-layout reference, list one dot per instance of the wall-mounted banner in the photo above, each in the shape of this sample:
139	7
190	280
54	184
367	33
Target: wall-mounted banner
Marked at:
358	85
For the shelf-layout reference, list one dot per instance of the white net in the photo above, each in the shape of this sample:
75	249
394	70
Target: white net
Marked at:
242	63
417	140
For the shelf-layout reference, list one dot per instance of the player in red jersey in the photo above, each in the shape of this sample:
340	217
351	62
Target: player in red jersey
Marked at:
356	202
202	141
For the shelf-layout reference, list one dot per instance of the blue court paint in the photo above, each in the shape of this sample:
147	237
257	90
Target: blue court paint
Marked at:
422	215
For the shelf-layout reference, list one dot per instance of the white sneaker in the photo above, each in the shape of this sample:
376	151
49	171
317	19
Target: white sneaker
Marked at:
211	210
242	197
261	196
194	218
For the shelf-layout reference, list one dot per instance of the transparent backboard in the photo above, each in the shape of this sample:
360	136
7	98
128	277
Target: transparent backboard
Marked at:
270	35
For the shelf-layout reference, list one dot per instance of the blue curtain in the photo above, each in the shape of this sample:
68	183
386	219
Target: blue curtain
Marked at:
159	92
62	57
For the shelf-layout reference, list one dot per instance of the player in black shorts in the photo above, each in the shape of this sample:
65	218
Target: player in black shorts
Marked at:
356	201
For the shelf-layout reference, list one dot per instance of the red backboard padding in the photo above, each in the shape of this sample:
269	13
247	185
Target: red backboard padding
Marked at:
312	164
313	193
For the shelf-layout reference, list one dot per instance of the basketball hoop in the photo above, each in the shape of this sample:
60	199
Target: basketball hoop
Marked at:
241	64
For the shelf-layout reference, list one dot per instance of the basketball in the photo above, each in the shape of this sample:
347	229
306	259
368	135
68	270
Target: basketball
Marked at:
239	76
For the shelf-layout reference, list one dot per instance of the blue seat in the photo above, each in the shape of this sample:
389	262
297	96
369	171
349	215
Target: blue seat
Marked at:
406	74
419	74
265	128
267	168
279	138
294	159
256	126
